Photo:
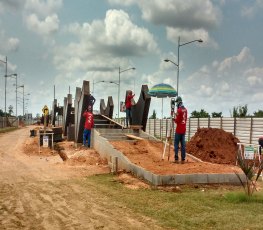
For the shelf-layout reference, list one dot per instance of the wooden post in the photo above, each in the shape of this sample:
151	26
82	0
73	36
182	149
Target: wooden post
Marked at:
45	122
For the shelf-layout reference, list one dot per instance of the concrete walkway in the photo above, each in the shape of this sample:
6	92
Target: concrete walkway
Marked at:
119	161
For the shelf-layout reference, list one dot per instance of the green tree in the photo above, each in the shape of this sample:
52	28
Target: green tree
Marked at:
240	111
258	113
215	114
201	114
153	116
10	110
1	113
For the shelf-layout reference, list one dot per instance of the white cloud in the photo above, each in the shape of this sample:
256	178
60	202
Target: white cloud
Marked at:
225	87
176	13
223	84
251	10
104	45
183	14
243	57
8	44
255	77
254	80
13	44
43	8
207	90
43	27
257	98
189	35
41	17
190	19
121	2
10	5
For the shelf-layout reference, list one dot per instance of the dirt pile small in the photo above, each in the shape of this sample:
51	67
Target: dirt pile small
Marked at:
213	145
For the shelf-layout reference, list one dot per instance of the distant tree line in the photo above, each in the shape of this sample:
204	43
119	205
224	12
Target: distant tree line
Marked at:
237	111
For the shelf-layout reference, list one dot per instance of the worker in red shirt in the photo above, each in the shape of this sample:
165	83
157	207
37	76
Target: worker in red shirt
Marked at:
179	137
128	103
260	142
89	124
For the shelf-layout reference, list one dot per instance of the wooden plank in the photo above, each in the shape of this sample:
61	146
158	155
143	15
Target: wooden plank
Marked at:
111	120
133	137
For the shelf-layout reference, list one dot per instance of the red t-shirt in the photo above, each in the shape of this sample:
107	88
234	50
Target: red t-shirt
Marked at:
89	122
128	101
180	120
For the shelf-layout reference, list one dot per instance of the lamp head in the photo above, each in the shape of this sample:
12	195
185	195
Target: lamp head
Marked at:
200	40
166	60
133	68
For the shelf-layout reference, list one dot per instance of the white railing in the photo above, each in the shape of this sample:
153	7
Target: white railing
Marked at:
247	130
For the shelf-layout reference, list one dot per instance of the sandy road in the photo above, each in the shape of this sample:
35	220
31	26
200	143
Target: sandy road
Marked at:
35	193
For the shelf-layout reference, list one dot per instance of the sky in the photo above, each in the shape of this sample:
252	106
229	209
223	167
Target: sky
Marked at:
56	44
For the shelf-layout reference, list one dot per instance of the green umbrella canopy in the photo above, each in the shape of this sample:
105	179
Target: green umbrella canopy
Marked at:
162	90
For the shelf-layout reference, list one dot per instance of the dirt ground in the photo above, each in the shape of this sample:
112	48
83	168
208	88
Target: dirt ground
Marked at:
215	149
40	191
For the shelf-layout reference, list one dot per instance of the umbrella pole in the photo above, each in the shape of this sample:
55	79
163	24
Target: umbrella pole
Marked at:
162	122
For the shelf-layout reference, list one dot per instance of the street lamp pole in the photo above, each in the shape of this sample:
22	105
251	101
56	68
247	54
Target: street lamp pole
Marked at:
119	86
23	101
22	86
15	75
5	62
178	58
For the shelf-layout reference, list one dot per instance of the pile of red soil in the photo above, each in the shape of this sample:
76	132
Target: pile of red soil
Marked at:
213	145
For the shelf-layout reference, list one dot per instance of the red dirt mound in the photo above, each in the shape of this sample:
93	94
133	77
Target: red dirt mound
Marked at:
213	145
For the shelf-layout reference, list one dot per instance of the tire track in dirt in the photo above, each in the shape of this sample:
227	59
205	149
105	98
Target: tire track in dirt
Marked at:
58	205
35	194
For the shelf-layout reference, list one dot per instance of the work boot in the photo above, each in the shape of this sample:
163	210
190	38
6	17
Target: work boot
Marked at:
183	161
176	161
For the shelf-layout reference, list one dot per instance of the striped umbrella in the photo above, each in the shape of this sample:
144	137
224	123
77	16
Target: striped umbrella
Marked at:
162	90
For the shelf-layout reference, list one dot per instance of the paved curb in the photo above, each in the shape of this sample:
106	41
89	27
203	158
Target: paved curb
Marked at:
118	161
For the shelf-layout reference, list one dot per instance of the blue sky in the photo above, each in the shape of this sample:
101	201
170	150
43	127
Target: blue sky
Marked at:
62	43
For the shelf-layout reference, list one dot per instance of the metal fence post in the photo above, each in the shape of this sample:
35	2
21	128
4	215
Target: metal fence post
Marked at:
251	130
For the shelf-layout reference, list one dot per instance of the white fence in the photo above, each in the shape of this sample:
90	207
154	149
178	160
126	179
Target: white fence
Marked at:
8	122
247	130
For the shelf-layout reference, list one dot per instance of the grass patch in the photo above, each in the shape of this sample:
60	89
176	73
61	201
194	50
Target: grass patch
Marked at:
8	129
239	197
191	208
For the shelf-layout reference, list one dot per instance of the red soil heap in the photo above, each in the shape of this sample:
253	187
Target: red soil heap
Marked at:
213	145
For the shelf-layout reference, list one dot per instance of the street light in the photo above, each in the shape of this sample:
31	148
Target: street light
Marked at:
13	75
6	76
112	82
94	83
5	62
24	103
178	58
22	86
119	85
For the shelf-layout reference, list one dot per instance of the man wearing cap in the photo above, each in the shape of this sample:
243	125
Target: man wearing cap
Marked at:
179	137
91	101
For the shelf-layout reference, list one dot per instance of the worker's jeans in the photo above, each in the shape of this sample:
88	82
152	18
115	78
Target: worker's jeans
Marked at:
86	136
179	138
128	116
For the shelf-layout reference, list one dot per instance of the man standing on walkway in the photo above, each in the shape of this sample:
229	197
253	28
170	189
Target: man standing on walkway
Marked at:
179	137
